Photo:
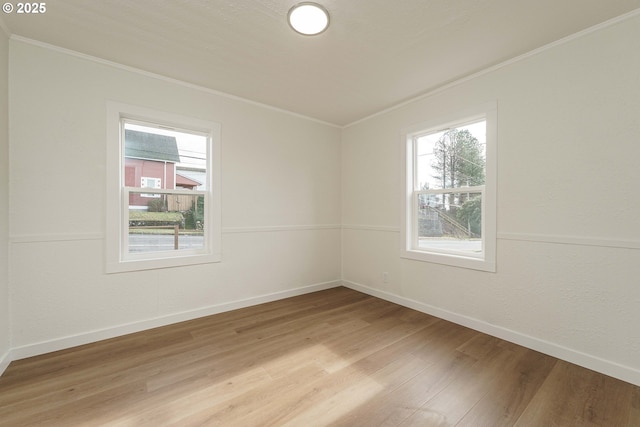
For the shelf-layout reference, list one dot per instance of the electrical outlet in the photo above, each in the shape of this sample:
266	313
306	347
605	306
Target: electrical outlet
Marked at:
385	277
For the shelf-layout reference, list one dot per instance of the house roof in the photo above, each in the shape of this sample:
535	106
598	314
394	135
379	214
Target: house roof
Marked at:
197	175
185	181
143	145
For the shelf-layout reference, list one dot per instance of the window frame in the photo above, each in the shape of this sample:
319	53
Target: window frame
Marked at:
118	258
486	260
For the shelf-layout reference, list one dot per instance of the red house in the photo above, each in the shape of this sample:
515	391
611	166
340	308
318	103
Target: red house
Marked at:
150	162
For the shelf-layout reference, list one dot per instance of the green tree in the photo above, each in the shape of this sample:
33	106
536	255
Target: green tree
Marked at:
470	215
194	217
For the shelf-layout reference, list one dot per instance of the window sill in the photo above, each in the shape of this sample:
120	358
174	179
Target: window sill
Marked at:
451	260
153	264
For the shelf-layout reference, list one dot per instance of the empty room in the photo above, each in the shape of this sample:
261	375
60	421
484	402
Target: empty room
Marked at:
329	213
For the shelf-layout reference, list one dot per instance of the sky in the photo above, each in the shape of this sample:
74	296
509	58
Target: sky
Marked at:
426	143
191	147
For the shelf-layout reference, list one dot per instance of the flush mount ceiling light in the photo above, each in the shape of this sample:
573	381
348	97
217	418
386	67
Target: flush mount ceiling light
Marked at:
308	18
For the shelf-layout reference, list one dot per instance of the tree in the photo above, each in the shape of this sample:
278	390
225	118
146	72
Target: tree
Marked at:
470	215
459	162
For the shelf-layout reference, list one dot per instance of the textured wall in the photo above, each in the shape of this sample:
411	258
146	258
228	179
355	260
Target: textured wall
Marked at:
568	258
280	203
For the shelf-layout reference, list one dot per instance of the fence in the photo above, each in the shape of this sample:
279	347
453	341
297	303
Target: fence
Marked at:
180	202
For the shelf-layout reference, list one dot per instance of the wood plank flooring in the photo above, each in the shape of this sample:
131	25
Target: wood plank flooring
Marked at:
330	358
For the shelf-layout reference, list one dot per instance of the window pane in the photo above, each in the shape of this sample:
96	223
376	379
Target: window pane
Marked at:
161	158
164	159
170	222
450	222
451	158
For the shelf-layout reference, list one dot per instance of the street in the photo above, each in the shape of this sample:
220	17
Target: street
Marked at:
163	242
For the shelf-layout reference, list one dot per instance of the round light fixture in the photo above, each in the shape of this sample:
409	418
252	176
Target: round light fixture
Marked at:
308	18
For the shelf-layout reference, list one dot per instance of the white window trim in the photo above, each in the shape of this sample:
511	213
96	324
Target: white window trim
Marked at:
487	260
117	257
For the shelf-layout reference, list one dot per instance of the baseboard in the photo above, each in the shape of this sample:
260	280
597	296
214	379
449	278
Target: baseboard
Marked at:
4	361
116	331
612	369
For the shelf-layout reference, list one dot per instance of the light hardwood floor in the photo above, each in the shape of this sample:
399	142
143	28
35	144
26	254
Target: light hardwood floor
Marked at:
330	358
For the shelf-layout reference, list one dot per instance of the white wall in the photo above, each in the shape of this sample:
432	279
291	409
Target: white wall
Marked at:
280	204
5	332
568	233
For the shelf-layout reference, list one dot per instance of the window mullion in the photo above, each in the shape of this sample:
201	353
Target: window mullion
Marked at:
475	189
165	191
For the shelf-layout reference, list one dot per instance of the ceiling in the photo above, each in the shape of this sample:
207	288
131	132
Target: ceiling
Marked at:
375	54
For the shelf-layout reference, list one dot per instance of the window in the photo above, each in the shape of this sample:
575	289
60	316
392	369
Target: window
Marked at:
163	189
450	190
145	181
